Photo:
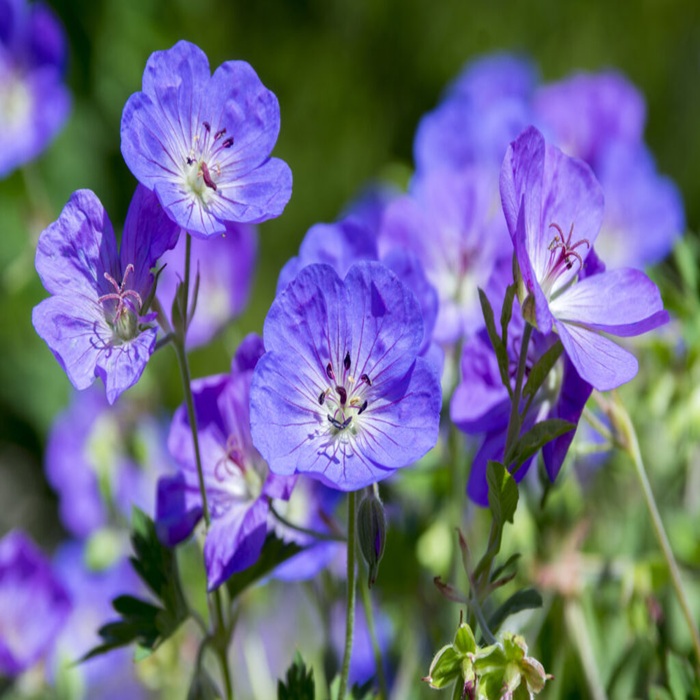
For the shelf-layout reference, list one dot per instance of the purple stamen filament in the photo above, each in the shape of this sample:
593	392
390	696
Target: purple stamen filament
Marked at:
120	295
208	147
562	253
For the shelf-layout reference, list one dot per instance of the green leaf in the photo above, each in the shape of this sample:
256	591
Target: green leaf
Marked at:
299	682
202	686
507	313
446	667
503	493
362	692
274	553
498	345
539	435
526	599
541	369
680	677
506	569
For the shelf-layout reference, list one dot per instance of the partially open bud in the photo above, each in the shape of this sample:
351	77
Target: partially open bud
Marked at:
371	532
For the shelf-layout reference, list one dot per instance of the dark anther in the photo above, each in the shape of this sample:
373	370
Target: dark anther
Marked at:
346	361
365	378
207	177
190	160
337	424
329	371
363	407
228	143
321	397
219	134
207	126
342	394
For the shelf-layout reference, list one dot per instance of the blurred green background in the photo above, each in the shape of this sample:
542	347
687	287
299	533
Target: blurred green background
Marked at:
353	78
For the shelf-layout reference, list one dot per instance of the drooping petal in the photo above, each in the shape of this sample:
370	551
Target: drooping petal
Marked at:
598	360
148	233
121	366
77	334
234	541
75	251
622	302
178	509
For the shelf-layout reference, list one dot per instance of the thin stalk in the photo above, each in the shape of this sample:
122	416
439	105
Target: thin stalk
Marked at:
376	649
350	609
221	633
628	442
515	420
325	536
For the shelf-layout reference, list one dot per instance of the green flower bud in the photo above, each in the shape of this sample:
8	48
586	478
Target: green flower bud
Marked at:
371	533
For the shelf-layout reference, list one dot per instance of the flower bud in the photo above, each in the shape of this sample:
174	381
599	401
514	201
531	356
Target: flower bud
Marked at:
371	533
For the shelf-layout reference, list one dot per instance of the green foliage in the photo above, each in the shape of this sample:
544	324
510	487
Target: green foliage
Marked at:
497	343
541	370
525	599
536	438
299	682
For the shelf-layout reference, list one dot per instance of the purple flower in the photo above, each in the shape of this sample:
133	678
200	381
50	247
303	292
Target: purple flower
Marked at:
600	119
448	223
202	142
225	265
106	458
34	102
341	393
237	481
553	207
95	323
34	605
481	404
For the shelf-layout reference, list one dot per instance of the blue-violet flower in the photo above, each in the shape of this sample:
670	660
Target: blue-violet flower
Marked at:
341	393
202	142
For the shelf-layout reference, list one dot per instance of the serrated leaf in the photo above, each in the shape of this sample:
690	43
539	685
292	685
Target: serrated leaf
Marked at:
274	553
541	369
526	599
539	435
503	493
299	682
498	346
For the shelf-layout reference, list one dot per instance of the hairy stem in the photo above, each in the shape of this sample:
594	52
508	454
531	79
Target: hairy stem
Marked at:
350	609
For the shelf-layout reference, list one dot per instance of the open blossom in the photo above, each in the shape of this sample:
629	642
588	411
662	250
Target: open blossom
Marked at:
34	101
553	207
202	142
237	481
94	322
341	393
34	605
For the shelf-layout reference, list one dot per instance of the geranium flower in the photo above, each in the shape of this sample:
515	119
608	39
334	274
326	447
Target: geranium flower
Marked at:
34	102
553	207
95	323
202	142
341	393
238	483
34	605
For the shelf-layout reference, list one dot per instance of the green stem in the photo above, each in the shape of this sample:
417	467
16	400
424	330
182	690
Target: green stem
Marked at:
325	536
578	632
376	649
628	442
221	634
350	609
515	420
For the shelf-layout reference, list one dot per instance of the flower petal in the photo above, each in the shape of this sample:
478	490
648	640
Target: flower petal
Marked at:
597	359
